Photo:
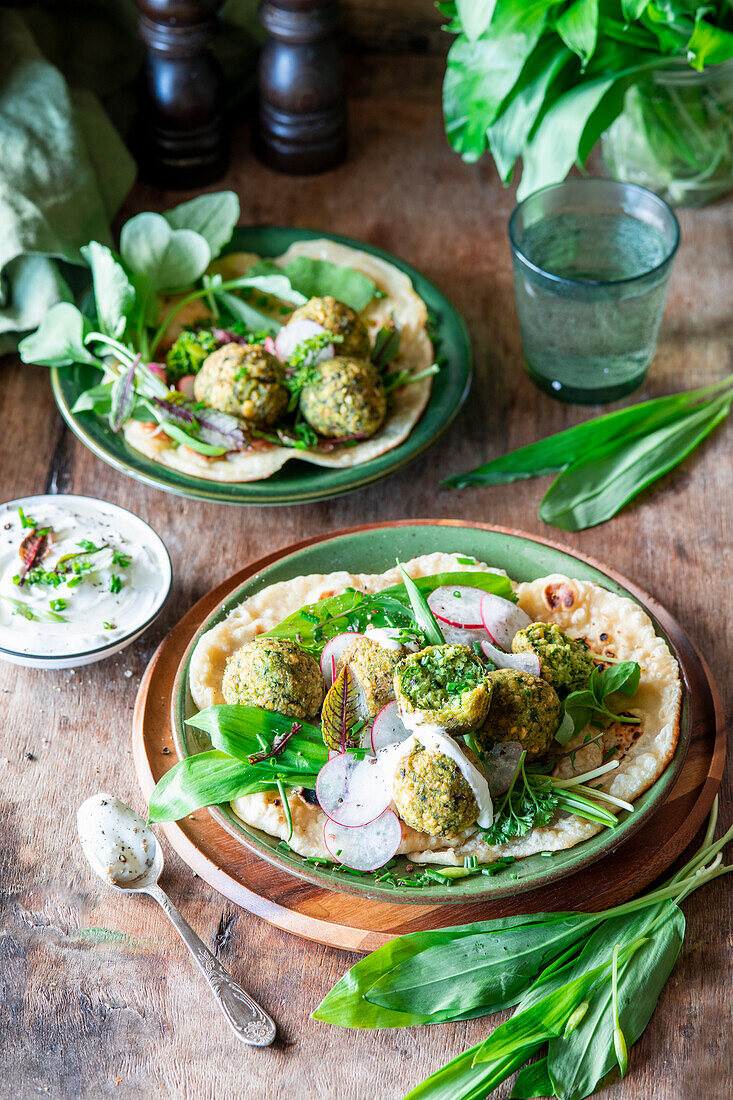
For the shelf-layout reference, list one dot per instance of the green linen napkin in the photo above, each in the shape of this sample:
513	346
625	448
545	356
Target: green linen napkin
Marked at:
64	172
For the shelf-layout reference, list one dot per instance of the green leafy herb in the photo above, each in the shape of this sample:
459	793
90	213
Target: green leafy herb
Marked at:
341	727
114	294
115	584
168	258
58	605
212	216
607	460
59	339
386	346
26	521
34	614
313	625
590	702
187	354
320	279
543	80
118	558
421	610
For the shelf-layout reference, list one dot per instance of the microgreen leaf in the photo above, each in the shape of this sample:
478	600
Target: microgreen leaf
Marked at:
581	706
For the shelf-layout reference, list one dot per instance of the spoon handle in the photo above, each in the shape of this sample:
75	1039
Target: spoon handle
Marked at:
249	1022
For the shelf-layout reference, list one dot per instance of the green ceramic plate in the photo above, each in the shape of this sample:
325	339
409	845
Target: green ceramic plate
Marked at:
372	551
297	482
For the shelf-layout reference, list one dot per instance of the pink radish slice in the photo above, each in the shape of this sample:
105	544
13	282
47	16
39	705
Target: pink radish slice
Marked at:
367	848
185	385
269	345
352	792
292	335
332	653
462	635
501	764
158	369
457	604
522	662
502	619
388	728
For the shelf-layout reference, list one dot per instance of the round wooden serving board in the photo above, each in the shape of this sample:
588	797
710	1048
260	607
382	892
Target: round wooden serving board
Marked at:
360	924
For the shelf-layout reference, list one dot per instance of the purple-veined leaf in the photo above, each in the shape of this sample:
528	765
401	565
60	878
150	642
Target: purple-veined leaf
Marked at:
210	426
124	397
341	713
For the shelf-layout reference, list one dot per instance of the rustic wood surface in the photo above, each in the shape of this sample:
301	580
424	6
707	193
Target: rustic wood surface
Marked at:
352	921
98	997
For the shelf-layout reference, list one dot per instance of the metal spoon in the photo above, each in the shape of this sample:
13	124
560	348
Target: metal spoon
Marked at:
249	1022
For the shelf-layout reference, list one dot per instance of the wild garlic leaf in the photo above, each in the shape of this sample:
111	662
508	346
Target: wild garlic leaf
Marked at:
240	731
59	339
172	259
341	713
597	487
709	45
464	1079
114	294
532	1081
578	28
480	75
476	974
213	217
206	779
421	609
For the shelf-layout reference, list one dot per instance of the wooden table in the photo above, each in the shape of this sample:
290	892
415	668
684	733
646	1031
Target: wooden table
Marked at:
99	997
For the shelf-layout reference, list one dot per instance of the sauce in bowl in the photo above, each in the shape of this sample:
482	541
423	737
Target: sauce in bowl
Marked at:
90	578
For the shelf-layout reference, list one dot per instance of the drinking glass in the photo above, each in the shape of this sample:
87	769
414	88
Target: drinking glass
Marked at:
592	260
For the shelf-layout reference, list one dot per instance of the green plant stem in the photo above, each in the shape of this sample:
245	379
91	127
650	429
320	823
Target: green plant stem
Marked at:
202	292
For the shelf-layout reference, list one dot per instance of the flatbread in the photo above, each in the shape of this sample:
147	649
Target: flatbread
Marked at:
613	626
415	354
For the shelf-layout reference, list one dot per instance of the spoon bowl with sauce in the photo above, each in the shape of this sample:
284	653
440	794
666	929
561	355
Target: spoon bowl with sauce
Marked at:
125	853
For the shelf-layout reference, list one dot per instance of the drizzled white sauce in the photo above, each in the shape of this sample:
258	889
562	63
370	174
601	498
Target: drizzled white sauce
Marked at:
388	637
91	614
116	840
435	739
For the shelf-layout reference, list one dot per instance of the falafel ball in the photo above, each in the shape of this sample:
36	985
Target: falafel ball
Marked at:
244	380
276	674
344	397
443	685
432	794
373	665
565	662
523	708
341	320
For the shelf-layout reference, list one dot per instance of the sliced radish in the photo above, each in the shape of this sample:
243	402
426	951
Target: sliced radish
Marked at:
269	345
352	792
367	848
158	369
388	728
332	652
502	619
185	385
457	604
462	635
292	335
522	662
501	763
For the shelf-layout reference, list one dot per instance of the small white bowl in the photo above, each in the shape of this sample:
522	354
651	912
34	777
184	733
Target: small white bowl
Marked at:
139	532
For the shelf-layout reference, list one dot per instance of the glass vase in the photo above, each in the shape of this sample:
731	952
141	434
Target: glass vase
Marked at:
675	134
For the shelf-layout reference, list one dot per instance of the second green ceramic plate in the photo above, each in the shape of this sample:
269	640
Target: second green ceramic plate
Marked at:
297	482
372	550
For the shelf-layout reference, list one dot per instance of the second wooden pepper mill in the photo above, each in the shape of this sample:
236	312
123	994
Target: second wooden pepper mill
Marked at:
302	111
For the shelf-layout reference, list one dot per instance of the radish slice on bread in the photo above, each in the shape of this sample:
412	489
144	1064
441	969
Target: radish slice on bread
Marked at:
502	619
366	848
388	728
352	792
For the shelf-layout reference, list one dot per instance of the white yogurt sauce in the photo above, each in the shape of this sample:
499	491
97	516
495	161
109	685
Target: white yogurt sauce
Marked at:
388	638
116	840
435	739
90	614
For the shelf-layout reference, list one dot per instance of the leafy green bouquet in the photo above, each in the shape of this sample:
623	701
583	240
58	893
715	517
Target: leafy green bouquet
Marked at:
543	79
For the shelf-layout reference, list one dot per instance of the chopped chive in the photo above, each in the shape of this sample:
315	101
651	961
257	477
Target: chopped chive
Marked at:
115	584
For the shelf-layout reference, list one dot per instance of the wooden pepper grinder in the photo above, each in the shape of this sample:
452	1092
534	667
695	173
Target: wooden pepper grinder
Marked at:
302	112
179	135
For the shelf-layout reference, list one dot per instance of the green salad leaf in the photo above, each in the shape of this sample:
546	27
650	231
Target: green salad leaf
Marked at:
312	626
114	295
320	279
59	339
